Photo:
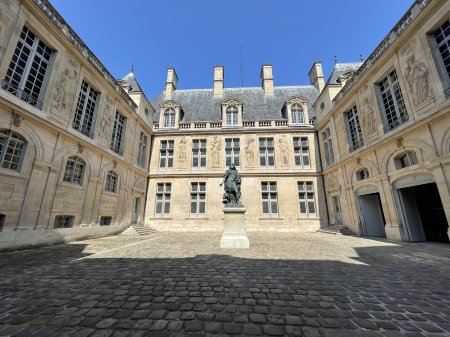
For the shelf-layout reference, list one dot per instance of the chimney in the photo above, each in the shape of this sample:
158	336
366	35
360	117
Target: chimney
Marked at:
218	80
267	78
316	76
171	83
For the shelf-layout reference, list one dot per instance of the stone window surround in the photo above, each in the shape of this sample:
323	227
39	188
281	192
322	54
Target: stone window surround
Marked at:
224	107
166	105
164	190
444	73
405	159
299	153
197	197
166	154
270	197
118	133
307	196
71	182
327	142
235	146
268	154
80	126
355	137
6	146
292	102
110	186
143	145
62	221
199	153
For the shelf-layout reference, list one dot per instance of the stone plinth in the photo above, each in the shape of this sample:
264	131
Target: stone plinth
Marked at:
234	235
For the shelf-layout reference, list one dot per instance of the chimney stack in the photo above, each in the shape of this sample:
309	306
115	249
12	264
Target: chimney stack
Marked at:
267	78
316	76
171	83
218	80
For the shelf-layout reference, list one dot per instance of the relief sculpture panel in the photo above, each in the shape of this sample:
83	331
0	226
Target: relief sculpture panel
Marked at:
65	87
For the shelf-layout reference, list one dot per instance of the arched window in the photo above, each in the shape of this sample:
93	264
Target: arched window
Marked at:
169	118
297	114
232	115
12	149
405	159
111	182
362	174
74	170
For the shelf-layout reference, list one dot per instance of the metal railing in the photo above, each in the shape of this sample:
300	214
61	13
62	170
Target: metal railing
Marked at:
23	95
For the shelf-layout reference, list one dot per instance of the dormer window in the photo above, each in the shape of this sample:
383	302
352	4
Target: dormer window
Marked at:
297	114
169	118
232	115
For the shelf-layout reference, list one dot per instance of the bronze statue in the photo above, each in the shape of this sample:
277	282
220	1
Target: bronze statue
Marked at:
232	186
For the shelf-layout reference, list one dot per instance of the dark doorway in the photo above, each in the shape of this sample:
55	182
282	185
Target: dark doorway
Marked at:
423	213
372	217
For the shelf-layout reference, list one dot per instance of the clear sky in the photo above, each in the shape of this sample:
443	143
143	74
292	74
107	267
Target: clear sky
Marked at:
194	35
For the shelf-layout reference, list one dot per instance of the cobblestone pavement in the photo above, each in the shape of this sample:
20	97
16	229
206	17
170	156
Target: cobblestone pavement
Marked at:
183	284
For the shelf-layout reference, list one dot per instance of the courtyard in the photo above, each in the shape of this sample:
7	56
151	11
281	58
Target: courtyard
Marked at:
183	284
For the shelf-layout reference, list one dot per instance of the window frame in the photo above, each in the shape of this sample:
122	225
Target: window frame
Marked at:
443	69
84	121
6	145
406	159
143	144
298	112
353	126
196	196
166	154
271	198
199	154
304	195
71	177
234	152
66	220
166	199
264	152
105	220
327	142
110	185
169	117
232	115
299	154
118	133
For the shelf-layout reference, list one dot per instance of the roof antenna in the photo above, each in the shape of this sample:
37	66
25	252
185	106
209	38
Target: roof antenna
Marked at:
361	57
335	59
242	76
132	68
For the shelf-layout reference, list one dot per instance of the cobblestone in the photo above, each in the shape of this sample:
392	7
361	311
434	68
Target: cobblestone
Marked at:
170	284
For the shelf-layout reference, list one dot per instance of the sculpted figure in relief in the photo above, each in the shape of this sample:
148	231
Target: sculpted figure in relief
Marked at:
368	117
106	120
417	78
215	151
284	150
182	156
62	97
249	151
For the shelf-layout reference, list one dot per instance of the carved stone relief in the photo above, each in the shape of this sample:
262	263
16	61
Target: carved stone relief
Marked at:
16	119
106	120
139	182
368	116
64	94
284	150
332	180
182	152
250	151
215	152
408	47
416	74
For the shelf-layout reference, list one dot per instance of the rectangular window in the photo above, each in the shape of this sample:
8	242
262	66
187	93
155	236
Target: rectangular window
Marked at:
328	146
354	133
162	204
198	199
301	152
266	152
394	106
105	221
198	153
142	149
84	119
306	199
269	198
64	221
28	67
118	133
232	151
442	37
166	154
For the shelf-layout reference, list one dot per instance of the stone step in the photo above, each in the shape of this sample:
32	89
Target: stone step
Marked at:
336	230
328	231
138	231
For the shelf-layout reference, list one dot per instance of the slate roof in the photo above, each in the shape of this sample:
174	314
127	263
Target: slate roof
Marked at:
200	105
132	82
340	68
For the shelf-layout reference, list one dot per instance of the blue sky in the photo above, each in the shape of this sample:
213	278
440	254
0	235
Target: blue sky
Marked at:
194	35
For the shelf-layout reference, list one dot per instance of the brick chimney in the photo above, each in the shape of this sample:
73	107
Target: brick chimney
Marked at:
316	76
218	80
267	78
171	83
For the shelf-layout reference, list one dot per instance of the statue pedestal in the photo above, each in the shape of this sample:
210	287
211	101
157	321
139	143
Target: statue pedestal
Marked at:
234	235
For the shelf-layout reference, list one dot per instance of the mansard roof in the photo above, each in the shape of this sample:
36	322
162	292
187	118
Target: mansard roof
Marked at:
341	68
200	105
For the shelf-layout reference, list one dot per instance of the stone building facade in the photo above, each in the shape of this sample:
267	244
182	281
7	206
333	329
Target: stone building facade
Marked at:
84	154
388	174
73	141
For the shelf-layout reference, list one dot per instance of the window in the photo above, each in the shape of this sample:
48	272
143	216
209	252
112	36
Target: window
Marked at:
394	107
105	221
198	199
74	170
442	37
232	115
166	154
169	118
2	221
406	159
162	205
354	129
232	151
111	182
64	221
84	119
199	153
266	152
306	198
118	133
362	174
142	149
269	198
12	149
26	72
297	114
328	146
301	151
